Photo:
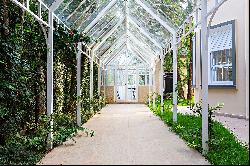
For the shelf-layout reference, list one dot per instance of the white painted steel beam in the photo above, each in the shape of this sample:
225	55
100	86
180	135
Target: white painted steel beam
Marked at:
108	34
175	90
131	20
113	45
149	87
91	90
154	87
66	7
99	80
112	55
247	55
139	54
83	12
50	81
204	91
161	81
140	43
100	15
55	5
78	77
107	53
37	17
71	14
155	16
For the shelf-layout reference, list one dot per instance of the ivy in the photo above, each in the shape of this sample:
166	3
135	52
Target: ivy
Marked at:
24	125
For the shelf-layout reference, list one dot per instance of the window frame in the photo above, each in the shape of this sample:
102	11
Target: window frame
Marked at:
224	84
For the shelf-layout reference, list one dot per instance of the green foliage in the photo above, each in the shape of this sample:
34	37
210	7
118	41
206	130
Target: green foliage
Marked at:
224	148
24	126
184	64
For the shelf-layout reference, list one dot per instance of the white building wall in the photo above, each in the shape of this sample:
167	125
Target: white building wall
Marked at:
235	99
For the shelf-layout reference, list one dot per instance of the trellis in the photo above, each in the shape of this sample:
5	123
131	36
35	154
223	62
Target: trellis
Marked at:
172	33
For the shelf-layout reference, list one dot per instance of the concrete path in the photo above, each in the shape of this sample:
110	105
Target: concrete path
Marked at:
125	134
239	127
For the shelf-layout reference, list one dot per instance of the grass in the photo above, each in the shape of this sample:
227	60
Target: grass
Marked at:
224	148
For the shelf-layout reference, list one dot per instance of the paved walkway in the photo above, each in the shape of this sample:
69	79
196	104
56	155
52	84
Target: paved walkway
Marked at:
239	127
125	134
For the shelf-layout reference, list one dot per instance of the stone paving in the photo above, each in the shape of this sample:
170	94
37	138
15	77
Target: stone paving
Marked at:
125	134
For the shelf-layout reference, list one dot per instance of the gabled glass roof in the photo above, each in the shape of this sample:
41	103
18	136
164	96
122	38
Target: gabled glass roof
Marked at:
148	24
136	32
172	11
120	31
145	20
127	57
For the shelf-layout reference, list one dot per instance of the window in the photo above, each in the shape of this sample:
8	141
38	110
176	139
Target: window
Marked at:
110	77
143	77
222	55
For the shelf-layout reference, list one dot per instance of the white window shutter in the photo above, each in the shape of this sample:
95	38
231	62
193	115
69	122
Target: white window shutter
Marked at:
220	38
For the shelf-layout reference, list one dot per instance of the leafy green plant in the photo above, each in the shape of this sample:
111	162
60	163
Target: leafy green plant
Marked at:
197	109
24	125
224	147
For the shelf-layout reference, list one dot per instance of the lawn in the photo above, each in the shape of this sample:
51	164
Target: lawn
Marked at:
224	148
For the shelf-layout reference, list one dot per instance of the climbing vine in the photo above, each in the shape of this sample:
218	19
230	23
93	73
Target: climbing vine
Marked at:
23	63
184	67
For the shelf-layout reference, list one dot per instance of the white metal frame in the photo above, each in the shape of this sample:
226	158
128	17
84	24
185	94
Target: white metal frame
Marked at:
178	35
100	15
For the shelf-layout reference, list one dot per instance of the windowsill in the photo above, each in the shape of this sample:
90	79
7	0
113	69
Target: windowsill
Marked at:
222	86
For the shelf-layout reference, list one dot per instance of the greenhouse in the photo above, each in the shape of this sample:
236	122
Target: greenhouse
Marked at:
105	68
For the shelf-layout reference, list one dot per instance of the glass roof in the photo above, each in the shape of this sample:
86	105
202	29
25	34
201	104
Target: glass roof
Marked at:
127	57
136	32
145	20
145	32
118	33
172	11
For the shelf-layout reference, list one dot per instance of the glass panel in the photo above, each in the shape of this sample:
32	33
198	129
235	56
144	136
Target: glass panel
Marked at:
173	12
89	16
48	2
132	87
222	65
136	32
110	75
127	58
145	20
105	23
141	79
111	40
142	49
121	84
75	12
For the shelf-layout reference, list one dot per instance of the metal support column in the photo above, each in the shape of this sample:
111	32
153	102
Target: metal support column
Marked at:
154	87
175	90
161	82
91	76
204	55
105	72
50	80
149	86
99	79
78	77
